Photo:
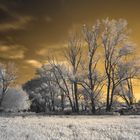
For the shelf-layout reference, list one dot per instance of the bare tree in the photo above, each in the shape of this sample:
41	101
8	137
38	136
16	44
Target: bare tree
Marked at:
92	96
73	54
8	75
124	91
114	40
61	78
91	82
130	70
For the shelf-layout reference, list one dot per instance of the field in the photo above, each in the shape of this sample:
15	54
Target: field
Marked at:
70	128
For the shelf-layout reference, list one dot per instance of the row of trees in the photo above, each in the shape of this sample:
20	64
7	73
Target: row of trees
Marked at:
87	78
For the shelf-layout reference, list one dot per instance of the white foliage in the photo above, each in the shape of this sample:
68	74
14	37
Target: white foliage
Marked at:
127	49
15	99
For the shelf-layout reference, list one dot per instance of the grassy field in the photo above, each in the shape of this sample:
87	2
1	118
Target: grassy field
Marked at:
70	128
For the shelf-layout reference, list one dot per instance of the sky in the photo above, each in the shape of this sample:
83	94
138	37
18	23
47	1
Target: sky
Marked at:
30	30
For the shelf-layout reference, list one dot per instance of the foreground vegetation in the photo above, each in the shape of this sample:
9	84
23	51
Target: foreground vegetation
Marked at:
70	128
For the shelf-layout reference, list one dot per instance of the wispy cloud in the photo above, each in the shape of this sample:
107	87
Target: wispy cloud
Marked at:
42	52
11	20
19	23
45	50
33	63
12	51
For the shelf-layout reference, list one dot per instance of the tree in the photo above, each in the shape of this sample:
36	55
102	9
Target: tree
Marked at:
73	54
47	77
16	100
91	82
130	70
7	78
61	73
116	47
43	92
36	94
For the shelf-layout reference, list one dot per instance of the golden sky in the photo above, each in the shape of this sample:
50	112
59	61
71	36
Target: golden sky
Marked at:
32	29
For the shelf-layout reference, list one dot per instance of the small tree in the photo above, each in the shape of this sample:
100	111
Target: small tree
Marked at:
61	74
130	71
7	78
52	89
36	94
16	100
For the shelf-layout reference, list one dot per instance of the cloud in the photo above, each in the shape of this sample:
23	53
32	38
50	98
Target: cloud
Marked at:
12	51
42	52
34	63
10	20
46	50
19	23
4	48
48	19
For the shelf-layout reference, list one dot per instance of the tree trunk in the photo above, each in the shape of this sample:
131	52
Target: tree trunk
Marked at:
93	106
1	101
53	106
76	97
2	96
130	88
111	99
72	107
108	96
62	102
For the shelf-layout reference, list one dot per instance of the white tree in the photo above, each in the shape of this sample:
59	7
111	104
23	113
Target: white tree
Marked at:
8	75
73	54
51	88
16	100
130	71
61	74
116	48
91	80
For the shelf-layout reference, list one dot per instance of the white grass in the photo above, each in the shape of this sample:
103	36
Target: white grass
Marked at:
70	128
